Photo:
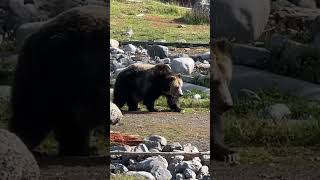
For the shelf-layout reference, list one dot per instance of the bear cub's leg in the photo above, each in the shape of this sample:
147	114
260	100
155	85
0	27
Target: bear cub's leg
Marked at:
173	103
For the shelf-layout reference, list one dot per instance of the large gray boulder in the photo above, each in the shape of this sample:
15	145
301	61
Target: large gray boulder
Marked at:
243	20
254	79
150	163
277	112
182	65
16	161
190	87
249	55
26	12
201	9
159	51
55	7
294	59
305	3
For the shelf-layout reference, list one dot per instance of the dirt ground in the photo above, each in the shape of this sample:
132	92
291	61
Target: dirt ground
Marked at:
71	168
300	164
175	127
291	167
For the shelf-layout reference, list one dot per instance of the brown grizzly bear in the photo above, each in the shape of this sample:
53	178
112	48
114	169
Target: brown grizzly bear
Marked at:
221	100
61	80
145	82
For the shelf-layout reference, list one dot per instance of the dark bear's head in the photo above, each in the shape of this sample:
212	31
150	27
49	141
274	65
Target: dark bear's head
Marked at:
174	85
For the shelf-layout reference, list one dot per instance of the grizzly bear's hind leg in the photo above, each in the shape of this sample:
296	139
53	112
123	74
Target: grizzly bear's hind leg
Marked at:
31	130
73	141
119	102
132	105
149	103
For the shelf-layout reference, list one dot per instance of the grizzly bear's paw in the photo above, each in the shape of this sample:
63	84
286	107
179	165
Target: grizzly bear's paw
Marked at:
153	110
134	109
223	153
177	110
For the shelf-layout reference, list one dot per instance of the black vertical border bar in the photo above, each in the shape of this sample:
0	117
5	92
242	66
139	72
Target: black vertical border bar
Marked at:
211	18
107	108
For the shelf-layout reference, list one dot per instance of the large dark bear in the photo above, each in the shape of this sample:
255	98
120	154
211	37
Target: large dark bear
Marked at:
61	80
145	82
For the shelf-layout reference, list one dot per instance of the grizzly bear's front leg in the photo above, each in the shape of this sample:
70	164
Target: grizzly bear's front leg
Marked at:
173	103
149	101
132	105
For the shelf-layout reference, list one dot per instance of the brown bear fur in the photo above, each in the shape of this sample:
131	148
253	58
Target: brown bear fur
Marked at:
221	100
145	82
61	80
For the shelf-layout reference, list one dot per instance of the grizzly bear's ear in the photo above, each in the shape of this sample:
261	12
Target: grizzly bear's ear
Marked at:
171	78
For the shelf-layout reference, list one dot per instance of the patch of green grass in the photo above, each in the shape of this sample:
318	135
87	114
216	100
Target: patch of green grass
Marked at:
299	107
173	131
187	102
7	46
262	155
201	81
190	18
97	141
159	22
245	126
123	8
255	132
256	154
6	72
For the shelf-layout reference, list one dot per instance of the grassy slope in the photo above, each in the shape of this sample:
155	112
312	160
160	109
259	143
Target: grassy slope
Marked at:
244	126
160	21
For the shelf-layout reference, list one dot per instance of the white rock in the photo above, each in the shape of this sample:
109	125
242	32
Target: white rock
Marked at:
196	96
141	148
114	43
157	138
182	65
189	148
115	114
130	48
277	111
189	173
